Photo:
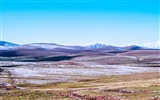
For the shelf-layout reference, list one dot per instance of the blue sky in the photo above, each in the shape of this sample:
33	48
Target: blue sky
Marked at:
80	22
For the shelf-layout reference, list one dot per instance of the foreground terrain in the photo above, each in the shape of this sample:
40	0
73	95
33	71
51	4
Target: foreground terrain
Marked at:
142	86
87	75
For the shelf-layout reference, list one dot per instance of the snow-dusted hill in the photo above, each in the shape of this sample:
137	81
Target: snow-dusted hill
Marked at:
4	43
51	46
47	46
7	45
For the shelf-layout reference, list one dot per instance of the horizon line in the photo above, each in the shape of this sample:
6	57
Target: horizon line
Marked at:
137	44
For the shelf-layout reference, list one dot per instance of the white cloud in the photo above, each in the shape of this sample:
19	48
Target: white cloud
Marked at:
152	44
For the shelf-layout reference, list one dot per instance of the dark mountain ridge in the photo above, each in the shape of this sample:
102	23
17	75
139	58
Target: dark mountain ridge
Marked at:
4	43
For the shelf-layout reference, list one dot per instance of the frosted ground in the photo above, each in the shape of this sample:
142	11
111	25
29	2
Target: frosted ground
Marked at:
46	72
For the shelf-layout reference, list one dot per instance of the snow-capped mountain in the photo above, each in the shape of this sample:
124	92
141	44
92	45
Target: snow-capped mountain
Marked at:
106	48
97	46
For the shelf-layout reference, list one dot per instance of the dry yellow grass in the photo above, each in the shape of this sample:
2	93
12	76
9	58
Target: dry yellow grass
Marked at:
139	86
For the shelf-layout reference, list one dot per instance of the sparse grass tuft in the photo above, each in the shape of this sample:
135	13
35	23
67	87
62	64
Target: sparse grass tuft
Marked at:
30	95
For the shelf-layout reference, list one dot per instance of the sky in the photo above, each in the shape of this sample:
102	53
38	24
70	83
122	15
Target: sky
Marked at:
80	22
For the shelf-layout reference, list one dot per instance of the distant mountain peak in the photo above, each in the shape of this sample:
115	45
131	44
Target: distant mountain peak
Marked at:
98	45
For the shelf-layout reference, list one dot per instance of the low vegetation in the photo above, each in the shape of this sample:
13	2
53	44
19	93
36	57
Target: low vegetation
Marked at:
134	75
142	86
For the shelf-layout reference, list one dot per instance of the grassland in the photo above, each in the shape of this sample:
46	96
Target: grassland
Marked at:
133	75
141	86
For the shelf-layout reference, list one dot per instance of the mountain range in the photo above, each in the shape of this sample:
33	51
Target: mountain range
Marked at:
4	45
